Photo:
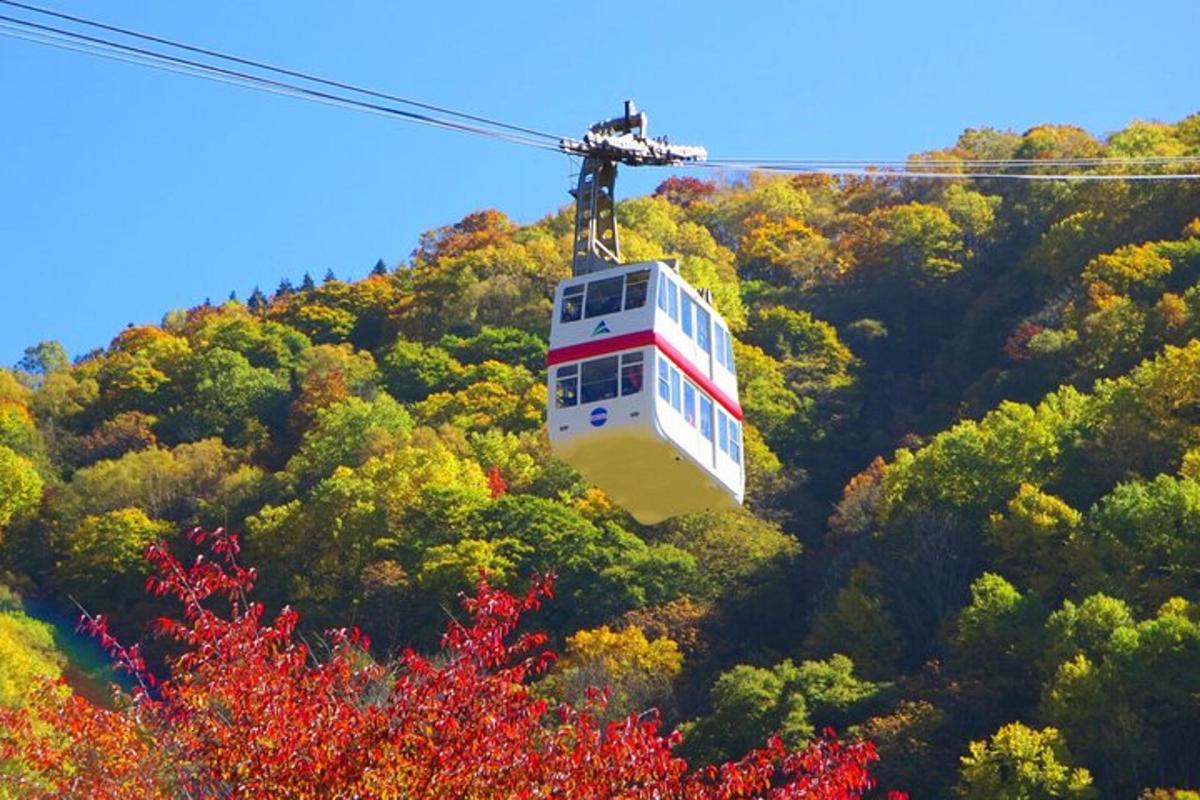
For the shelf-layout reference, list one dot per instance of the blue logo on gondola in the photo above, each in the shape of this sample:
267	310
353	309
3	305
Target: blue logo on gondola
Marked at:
601	327
599	416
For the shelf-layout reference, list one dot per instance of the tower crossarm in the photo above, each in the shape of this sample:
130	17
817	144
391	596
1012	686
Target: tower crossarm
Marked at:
623	140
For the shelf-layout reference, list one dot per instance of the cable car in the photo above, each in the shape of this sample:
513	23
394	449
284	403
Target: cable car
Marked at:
643	391
642	388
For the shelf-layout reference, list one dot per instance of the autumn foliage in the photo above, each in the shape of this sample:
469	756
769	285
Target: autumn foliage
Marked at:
994	386
251	711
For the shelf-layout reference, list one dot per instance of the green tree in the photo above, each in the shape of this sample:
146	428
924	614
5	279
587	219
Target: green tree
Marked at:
603	569
44	358
915	243
1124	692
973	467
229	395
773	198
166	484
63	397
319	549
731	550
18	431
449	569
997	635
13	390
20	487
651	575
973	212
412	371
810	349
257	301
507	345
1190	468
1128	268
763	389
264	343
521	459
143	370
28	653
1022	763
749	703
324	324
1084	628
347	434
102	561
1147	535
1038	539
494	395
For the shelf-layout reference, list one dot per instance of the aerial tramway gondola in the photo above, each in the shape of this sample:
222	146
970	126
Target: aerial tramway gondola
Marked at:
642	383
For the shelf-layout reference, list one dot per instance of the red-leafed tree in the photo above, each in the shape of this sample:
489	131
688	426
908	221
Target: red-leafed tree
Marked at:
685	191
496	483
249	712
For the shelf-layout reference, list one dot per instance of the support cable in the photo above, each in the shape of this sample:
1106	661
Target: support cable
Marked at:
72	40
921	167
275	88
292	73
917	174
925	161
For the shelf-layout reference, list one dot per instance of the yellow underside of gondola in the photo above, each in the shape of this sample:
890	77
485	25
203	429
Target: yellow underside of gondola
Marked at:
648	476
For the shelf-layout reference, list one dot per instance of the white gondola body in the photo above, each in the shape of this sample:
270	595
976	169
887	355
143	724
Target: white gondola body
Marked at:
643	392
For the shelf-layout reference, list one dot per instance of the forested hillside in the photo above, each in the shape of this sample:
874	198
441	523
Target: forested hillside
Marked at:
972	532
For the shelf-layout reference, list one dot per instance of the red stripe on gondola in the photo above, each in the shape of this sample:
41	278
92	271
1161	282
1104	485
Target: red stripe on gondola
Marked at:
698	377
599	347
628	341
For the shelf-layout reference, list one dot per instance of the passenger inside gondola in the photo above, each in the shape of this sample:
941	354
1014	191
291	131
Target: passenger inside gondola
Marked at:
572	304
637	284
566	392
631	373
604	297
598	379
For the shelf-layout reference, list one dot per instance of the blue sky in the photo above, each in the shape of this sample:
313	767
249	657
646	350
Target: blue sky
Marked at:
125	192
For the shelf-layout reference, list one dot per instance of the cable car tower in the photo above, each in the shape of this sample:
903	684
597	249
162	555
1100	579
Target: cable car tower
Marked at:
606	144
642	386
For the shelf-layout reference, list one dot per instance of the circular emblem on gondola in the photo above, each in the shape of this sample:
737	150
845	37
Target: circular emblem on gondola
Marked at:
599	416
